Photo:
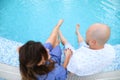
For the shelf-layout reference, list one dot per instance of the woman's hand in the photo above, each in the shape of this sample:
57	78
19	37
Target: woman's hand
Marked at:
68	54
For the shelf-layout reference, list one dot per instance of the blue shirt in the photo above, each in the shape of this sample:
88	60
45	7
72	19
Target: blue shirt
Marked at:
59	72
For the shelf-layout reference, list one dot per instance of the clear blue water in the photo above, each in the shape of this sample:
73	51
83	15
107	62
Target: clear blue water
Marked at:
23	20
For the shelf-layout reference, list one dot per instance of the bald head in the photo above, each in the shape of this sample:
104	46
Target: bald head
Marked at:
98	32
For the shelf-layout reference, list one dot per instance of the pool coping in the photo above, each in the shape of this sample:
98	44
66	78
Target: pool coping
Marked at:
13	73
9	72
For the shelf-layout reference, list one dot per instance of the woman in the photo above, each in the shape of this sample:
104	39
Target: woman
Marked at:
42	62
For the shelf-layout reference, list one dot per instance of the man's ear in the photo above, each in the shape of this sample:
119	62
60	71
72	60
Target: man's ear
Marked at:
93	42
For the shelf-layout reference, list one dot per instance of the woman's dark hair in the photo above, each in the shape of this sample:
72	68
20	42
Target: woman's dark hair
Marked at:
30	55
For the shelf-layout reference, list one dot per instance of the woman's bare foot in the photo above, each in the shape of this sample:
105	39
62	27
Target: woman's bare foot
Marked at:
60	22
77	29
54	33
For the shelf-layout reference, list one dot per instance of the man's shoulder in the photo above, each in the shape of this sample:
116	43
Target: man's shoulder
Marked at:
109	48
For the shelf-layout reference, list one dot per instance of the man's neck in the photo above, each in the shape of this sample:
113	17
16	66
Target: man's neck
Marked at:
97	47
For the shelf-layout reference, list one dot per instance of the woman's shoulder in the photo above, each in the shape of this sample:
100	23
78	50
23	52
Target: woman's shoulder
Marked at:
58	73
58	70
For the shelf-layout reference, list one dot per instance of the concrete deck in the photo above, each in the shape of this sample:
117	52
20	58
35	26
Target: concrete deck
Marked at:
9	73
12	73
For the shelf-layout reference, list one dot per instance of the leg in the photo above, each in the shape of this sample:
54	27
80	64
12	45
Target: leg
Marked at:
54	34
80	39
57	42
65	42
63	39
56	52
51	48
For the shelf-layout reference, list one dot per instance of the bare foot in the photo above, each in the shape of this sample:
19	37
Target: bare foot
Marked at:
77	29
60	22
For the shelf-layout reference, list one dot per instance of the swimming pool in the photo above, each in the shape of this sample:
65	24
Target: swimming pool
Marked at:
23	20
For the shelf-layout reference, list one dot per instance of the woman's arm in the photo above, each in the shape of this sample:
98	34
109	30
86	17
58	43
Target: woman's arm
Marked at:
68	54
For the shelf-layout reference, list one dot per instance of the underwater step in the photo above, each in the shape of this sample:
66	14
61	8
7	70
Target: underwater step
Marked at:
8	51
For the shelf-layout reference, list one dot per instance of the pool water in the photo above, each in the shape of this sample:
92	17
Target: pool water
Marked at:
23	20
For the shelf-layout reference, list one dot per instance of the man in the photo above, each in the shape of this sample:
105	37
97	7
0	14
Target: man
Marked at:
94	56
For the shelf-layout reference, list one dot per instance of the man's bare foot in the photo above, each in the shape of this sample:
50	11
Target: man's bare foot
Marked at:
77	29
